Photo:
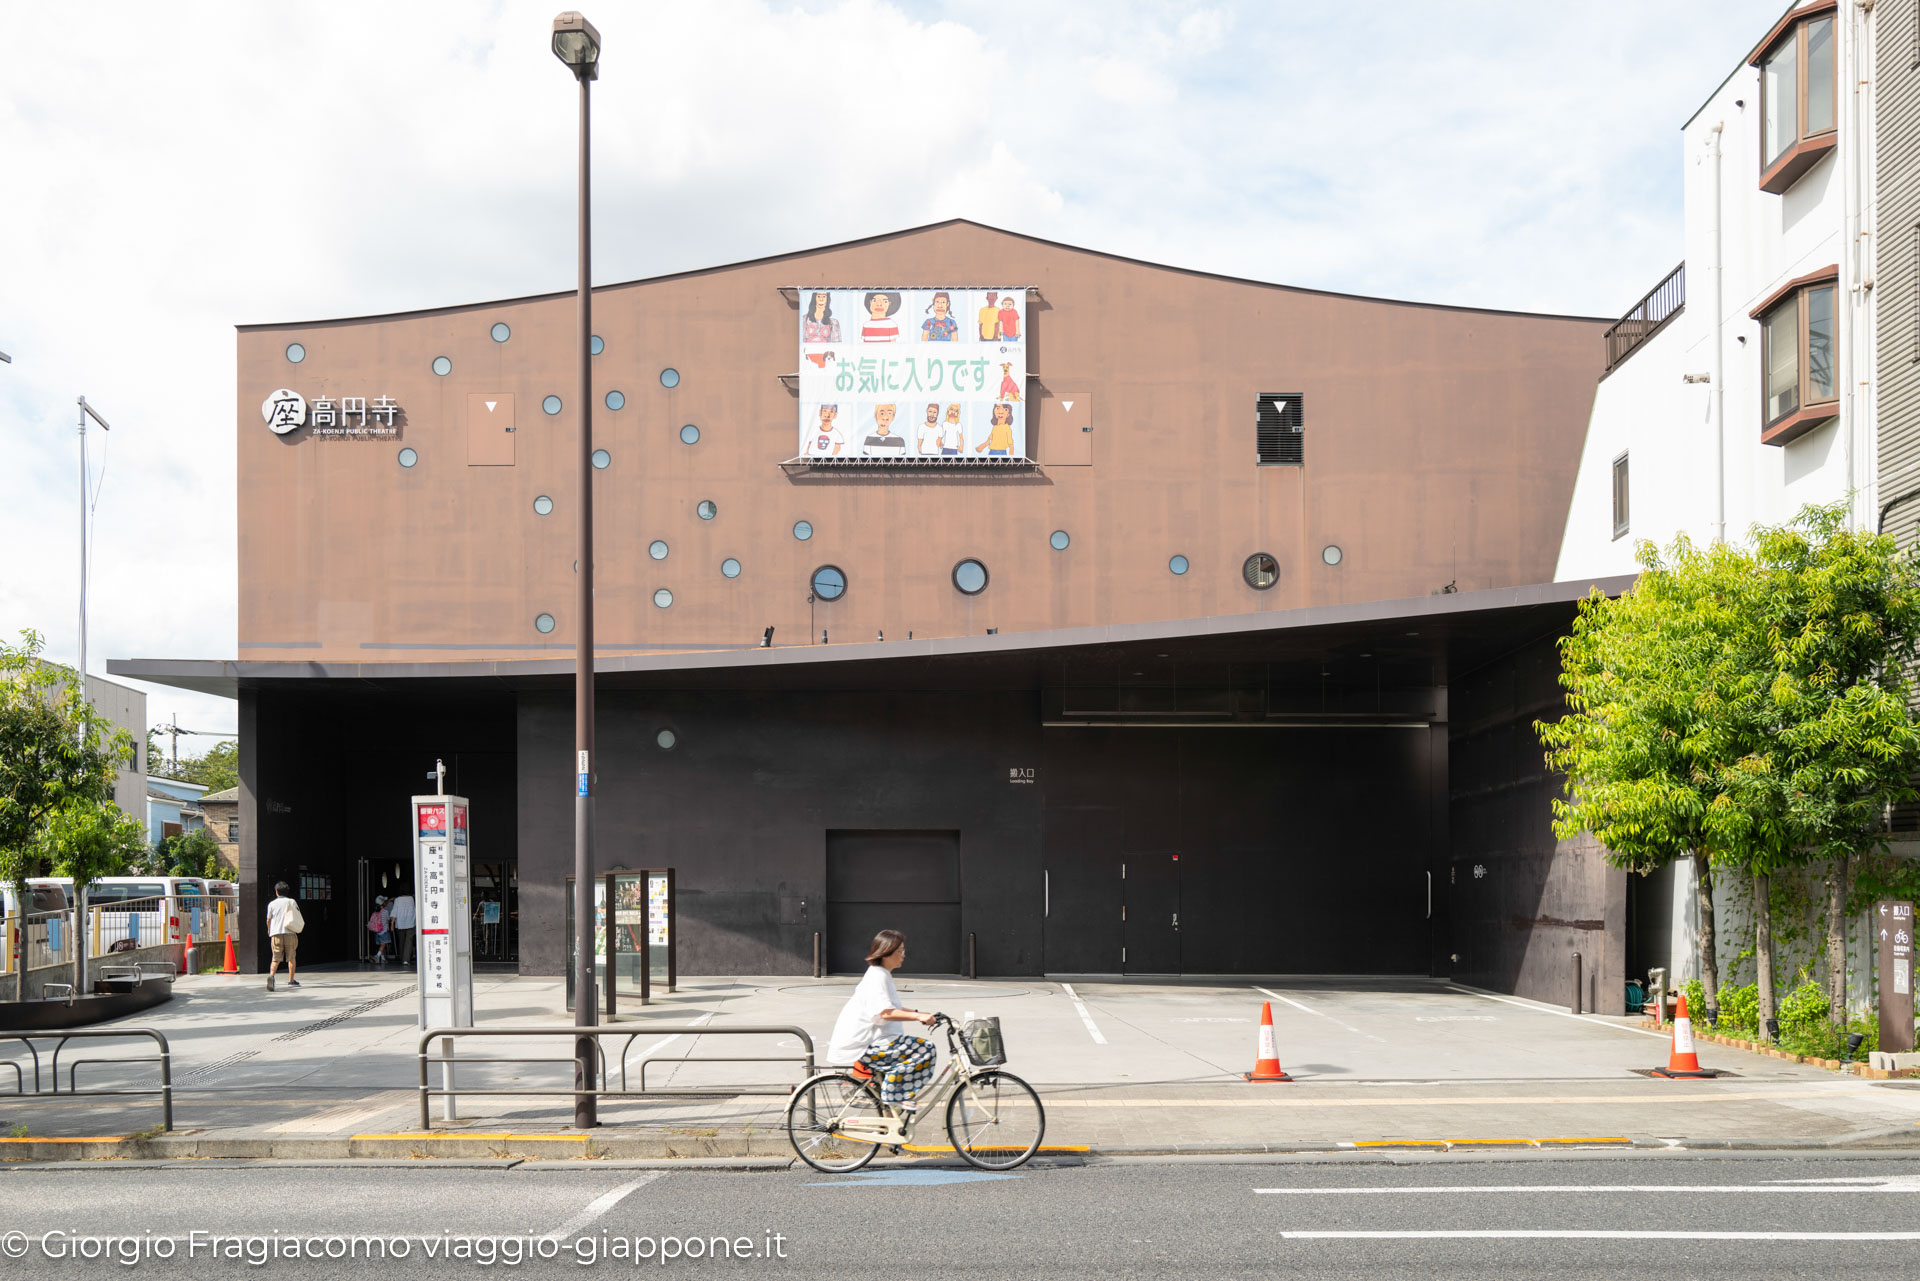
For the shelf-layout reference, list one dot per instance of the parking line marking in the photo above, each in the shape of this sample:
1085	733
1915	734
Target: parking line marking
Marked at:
1590	1234
1320	1014
600	1205
1657	1189
1660	1095
1541	1009
1093	1029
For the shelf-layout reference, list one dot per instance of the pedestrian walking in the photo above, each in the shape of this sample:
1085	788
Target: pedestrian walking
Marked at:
869	1029
377	926
400	921
284	924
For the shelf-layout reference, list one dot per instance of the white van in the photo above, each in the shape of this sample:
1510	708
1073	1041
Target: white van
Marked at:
42	940
151	910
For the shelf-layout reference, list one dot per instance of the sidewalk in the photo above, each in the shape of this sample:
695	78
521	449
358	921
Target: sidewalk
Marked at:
328	1071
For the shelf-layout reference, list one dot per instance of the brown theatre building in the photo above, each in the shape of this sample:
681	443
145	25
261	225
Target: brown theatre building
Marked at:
1208	640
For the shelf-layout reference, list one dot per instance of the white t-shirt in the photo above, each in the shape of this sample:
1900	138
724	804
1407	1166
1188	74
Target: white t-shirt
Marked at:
860	1024
930	436
824	443
277	916
401	912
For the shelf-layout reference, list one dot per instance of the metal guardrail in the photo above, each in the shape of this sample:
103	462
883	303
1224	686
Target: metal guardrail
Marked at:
1647	317
164	1058
448	1060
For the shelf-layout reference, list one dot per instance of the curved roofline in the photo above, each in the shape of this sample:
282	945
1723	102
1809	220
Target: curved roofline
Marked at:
908	231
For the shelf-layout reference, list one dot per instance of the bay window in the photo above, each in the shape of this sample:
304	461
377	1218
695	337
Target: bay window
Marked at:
1797	105
1799	389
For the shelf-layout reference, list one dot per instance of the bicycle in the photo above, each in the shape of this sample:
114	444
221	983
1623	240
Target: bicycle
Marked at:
837	1123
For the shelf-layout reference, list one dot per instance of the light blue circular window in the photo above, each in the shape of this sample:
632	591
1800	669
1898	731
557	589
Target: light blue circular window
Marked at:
657	549
669	377
970	576
602	459
803	530
1178	564
616	399
551	404
408	458
730	567
1331	554
829	582
663	598
544	623
666	738
595	346
689	434
1059	540
500	332
296	353
543	505
442	366
708	509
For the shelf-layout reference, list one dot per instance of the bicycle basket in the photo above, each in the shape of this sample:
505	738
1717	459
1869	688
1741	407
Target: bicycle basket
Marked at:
980	1037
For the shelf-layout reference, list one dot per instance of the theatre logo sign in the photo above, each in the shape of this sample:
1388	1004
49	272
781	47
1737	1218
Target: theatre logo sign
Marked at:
352	417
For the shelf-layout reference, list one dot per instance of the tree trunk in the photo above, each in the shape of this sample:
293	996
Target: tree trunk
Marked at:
1709	958
1837	886
1763	947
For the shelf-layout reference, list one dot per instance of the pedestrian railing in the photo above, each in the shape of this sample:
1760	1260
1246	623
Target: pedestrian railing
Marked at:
37	940
164	1058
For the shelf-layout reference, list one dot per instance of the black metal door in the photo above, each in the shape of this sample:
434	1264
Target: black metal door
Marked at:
1152	892
1083	892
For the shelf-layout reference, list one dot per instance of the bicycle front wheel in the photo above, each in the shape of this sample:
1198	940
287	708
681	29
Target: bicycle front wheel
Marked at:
995	1121
815	1118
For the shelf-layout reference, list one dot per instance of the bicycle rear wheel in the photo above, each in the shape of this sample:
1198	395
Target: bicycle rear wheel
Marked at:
816	1114
995	1121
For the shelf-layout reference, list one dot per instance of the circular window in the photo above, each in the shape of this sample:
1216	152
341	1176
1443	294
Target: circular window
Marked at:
442	366
551	404
544	623
1178	564
616	399
1331	554
689	434
669	377
1059	540
595	346
296	353
1261	571
408	458
663	598
543	506
802	530
602	459
829	583
970	576
730	567
657	549
666	738
501	333
708	509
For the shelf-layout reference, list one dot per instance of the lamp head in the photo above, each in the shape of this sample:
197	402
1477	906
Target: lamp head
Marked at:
576	42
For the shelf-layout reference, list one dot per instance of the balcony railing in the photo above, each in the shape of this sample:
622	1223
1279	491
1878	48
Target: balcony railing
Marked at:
1647	317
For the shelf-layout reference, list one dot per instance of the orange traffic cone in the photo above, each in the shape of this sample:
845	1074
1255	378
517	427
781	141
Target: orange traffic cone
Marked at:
1682	1061
233	962
1267	1066
191	966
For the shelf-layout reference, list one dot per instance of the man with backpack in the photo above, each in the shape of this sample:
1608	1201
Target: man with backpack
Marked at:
284	924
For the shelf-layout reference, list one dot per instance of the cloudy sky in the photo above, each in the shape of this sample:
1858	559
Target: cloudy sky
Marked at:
172	170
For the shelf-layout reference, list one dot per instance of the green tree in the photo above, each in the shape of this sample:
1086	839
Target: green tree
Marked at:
192	853
218	768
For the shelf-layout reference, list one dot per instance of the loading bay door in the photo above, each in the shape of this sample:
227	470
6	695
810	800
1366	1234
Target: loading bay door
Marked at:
907	881
1108	911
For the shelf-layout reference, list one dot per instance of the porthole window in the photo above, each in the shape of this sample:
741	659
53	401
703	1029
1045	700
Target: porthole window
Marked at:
616	399
501	333
970	576
666	738
1261	571
543	506
1178	564
829	583
663	598
730	567
1331	554
669	377
295	353
802	530
689	434
595	346
708	509
657	549
551	404
1059	540
543	624
408	458
602	459
442	366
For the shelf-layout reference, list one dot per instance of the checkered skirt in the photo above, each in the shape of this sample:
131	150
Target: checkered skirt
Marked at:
902	1065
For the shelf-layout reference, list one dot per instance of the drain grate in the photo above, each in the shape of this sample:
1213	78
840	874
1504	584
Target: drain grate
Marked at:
344	1015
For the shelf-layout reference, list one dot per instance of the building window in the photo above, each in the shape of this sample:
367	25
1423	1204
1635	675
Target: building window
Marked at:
803	530
543	624
602	459
730	568
689	435
1796	354
666	738
657	549
595	346
1331	554
500	332
669	377
551	404
708	509
442	366
1796	99
616	400
1261	571
970	577
1059	539
543	506
408	457
1619	495
233	831
1178	564
829	583
295	353
663	598
1280	429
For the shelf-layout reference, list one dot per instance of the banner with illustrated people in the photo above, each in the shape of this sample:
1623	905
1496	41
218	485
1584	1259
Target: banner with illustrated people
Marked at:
913	374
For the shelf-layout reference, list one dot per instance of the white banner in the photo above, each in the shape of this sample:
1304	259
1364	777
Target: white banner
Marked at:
913	374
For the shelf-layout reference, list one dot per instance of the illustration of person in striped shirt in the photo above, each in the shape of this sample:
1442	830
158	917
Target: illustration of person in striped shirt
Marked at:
880	326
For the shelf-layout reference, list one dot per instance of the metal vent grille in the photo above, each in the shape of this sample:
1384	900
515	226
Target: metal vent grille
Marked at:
1280	429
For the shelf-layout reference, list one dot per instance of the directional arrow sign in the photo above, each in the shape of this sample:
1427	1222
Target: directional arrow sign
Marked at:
1067	405
491	404
1279	406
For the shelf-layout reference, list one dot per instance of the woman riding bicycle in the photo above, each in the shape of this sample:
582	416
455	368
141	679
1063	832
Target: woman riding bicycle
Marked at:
870	1031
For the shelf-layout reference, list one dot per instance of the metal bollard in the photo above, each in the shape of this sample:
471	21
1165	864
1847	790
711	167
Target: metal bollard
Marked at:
1575	1006
817	971
973	956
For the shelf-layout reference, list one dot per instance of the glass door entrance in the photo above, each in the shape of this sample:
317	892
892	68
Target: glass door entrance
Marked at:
496	913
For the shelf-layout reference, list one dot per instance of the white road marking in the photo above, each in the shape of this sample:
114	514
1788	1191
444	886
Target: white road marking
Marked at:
1891	1186
348	1116
665	1041
1541	1009
600	1205
1093	1029
1320	1014
1591	1234
1657	1096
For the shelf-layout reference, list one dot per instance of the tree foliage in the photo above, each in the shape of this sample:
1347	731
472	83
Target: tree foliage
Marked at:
191	853
88	841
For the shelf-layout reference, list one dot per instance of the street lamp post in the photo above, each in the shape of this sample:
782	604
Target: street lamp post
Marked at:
577	44
86	411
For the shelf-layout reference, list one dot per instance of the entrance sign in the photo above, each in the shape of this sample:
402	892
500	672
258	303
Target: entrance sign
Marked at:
1893	949
443	889
913	375
348	416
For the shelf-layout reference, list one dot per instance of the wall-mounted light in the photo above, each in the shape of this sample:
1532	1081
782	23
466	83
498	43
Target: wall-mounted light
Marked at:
766	639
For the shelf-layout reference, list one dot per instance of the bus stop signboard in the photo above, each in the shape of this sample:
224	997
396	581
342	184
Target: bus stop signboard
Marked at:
443	885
